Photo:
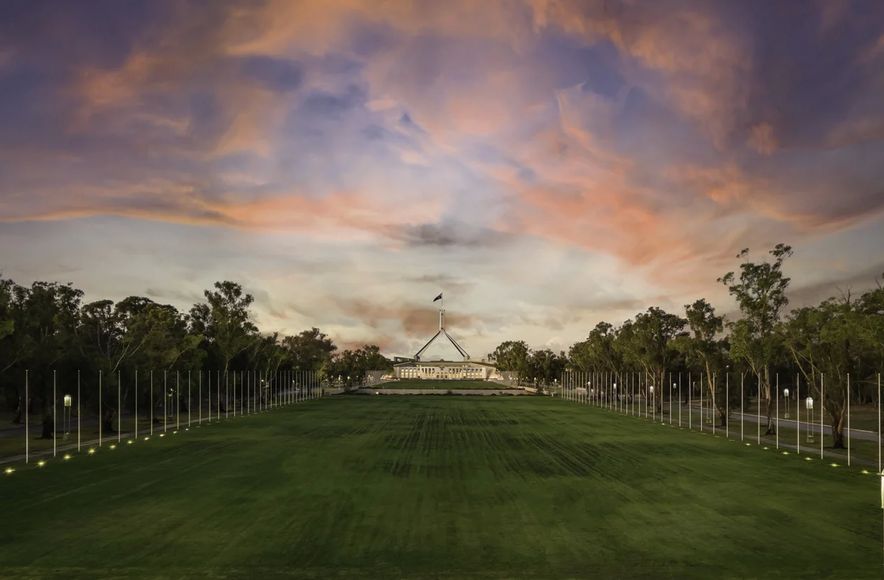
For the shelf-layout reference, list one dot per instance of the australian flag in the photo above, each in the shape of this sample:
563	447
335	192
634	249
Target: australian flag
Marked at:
439	297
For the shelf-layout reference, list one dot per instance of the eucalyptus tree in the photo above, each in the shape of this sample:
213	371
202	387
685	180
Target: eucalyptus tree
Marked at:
46	316
648	341
225	320
871	306
598	352
308	350
545	366
706	349
513	356
760	293
351	366
9	352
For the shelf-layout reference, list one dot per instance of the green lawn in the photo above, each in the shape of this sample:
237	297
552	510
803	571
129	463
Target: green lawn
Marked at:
440	384
439	487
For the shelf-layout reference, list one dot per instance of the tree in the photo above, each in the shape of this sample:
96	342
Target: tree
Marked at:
351	366
226	320
511	356
760	292
827	342
705	349
309	349
47	315
545	366
648	341
599	351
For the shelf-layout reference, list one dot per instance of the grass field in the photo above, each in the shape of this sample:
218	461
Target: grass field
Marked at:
440	385
439	487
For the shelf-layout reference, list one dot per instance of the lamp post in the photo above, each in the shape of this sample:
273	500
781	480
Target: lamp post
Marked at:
67	416
786	398
680	401
808	404
616	400
654	403
670	401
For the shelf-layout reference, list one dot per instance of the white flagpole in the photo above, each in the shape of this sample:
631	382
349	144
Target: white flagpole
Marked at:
822	412
188	397
879	424
27	425
54	426
727	404
100	418
151	401
78	410
200	389
777	427
742	384
165	400
690	401
758	409
136	404
798	413
119	408
848	420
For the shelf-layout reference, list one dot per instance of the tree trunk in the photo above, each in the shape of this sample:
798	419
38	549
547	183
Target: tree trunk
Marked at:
837	430
108	421
765	383
18	417
48	426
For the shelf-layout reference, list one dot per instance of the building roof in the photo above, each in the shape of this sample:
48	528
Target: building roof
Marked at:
443	363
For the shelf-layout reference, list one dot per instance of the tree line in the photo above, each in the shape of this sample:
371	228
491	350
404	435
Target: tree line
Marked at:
821	345
46	327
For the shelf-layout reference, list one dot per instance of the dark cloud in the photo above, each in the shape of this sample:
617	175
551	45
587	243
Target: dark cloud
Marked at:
447	235
274	73
333	105
855	284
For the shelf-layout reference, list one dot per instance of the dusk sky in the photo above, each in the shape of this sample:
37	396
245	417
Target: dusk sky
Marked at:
546	164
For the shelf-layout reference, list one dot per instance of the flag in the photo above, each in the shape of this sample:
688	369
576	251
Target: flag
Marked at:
439	297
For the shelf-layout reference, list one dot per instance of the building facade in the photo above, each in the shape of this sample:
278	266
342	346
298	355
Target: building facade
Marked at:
465	369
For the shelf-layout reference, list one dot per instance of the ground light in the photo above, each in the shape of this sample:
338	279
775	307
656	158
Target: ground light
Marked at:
9	470
91	451
41	463
67	456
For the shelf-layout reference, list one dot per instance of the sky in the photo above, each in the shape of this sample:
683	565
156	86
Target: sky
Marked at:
545	164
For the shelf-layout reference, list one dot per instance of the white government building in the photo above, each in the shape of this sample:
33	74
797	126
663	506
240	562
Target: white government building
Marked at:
419	368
